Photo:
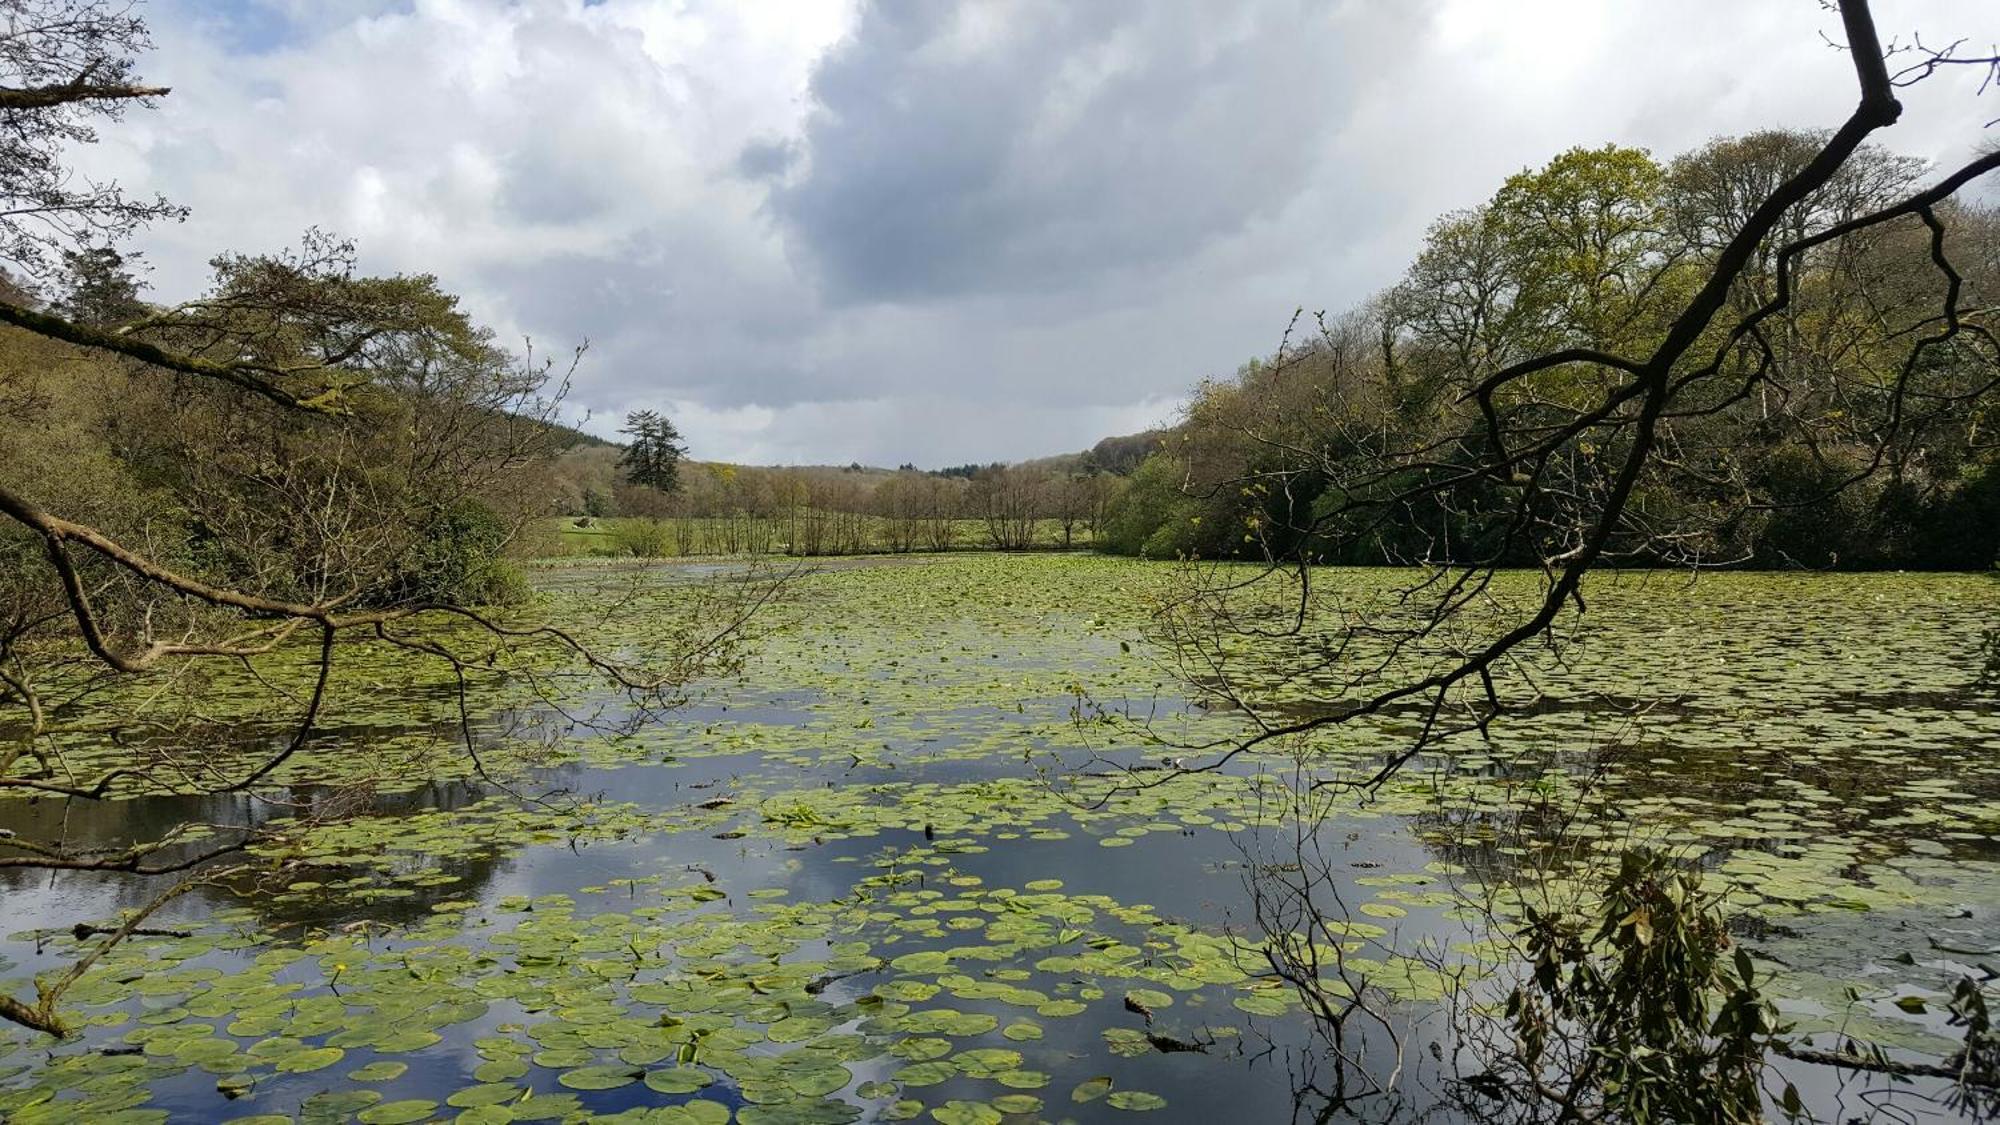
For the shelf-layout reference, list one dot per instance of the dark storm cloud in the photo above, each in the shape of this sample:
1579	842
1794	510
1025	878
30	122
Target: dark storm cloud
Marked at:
969	148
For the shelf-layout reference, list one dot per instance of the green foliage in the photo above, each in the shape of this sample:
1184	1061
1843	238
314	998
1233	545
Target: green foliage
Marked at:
1961	525
652	459
1153	517
1811	519
1369	441
1582	245
458	559
1123	455
410	495
1666	1020
643	538
98	289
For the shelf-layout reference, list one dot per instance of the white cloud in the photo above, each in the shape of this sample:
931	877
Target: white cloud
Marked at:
818	232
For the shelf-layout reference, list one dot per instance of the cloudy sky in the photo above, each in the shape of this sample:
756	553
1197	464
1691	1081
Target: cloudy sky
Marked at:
935	231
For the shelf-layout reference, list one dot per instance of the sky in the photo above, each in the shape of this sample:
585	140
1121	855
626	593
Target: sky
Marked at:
933	231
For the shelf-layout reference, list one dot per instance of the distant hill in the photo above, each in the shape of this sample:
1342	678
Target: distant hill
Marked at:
572	438
1119	456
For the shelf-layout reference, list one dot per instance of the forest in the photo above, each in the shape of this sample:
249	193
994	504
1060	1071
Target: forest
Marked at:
1593	251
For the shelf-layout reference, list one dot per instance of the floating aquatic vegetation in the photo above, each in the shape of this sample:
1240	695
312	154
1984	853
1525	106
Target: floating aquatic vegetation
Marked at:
816	896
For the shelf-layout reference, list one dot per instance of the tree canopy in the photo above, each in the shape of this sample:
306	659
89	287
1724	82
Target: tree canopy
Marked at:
1807	436
652	457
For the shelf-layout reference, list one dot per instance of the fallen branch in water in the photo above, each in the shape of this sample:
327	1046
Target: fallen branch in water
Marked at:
1847	1061
83	930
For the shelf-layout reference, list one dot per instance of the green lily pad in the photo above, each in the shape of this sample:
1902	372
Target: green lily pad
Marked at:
485	1094
966	1113
1261	1004
677	1080
404	1112
381	1070
307	1060
1091	1089
600	1077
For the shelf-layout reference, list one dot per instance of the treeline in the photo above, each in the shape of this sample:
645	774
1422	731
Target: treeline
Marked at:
734	509
1830	443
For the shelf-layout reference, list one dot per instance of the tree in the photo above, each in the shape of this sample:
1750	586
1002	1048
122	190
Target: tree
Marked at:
1071	499
1460	292
652	458
1383	399
1103	489
99	289
901	503
301	460
66	65
1583	242
1010	499
1121	456
1600	392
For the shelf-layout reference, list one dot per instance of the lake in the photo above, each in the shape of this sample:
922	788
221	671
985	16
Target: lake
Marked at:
871	877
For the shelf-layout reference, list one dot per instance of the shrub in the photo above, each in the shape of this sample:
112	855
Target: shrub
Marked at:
458	560
1644	1010
1153	516
643	537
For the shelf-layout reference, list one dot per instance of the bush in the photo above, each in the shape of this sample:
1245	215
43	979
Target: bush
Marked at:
1962	530
643	537
1814	522
1152	517
1644	1011
458	560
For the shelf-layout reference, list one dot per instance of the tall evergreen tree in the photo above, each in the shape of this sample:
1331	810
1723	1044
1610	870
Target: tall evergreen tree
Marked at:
653	456
99	288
